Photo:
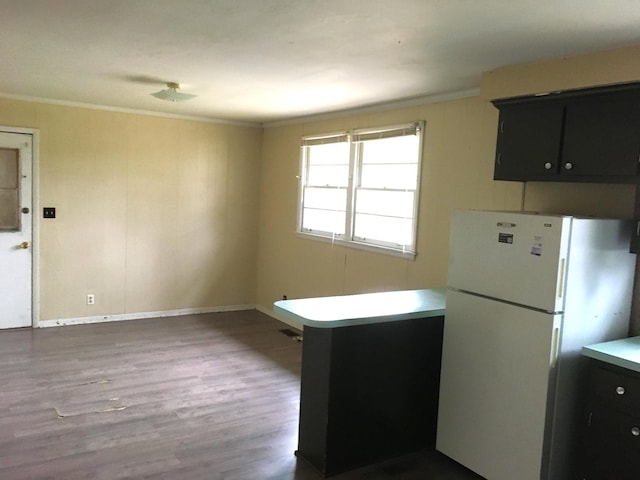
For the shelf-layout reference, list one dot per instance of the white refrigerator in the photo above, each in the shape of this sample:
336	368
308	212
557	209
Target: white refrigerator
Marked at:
525	292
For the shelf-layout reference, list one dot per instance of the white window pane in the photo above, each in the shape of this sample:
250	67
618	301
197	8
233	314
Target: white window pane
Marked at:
329	154
377	206
326	198
9	189
383	229
391	150
398	176
323	175
323	220
385	202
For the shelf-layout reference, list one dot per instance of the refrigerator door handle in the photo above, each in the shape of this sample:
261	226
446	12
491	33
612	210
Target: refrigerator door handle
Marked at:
561	280
555	342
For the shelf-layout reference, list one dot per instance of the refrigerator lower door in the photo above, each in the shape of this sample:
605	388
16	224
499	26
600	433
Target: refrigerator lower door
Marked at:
497	367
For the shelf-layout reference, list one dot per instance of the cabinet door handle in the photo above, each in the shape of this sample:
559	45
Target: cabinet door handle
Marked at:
568	166
502	126
499	158
635	431
620	390
548	165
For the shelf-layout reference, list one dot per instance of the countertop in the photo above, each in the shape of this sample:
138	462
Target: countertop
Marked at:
363	309
623	353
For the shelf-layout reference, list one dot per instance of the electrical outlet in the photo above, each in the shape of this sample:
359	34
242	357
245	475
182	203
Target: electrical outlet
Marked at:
91	299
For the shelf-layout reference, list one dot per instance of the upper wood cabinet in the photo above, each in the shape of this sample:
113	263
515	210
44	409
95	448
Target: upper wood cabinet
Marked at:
590	135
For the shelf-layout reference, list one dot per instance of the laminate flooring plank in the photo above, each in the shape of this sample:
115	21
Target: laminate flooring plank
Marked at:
196	397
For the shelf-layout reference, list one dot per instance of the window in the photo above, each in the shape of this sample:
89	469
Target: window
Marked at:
9	190
360	188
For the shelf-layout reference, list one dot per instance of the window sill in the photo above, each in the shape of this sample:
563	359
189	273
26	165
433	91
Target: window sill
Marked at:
407	255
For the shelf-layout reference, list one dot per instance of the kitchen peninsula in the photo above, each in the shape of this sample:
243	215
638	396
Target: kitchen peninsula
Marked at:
370	376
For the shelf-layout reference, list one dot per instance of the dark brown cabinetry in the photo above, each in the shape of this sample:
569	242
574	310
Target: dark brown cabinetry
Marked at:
590	135
611	449
369	392
529	140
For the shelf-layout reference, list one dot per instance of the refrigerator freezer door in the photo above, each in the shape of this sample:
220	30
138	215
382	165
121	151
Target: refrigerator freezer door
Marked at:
517	257
497	368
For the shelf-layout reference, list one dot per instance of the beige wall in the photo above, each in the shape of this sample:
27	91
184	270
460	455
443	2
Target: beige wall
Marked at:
580	71
152	213
459	146
457	173
164	214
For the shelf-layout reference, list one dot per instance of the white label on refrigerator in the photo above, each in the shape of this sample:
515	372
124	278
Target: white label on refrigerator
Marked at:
536	248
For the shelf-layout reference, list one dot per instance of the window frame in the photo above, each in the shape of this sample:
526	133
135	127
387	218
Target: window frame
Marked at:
354	139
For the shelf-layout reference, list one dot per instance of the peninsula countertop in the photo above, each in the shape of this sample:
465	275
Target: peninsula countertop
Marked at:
363	309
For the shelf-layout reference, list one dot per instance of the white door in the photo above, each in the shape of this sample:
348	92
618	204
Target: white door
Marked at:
15	229
497	366
520	258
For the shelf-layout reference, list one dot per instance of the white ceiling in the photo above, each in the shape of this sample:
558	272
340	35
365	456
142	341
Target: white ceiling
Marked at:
262	61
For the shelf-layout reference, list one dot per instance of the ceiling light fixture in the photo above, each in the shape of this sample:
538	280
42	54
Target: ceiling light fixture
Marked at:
171	94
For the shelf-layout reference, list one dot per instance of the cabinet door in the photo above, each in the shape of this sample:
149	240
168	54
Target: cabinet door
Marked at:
612	445
602	136
528	146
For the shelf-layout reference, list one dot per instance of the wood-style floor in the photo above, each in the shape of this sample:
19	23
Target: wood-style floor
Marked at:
195	397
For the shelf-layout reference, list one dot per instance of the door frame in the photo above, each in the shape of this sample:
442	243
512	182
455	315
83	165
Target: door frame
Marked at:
35	219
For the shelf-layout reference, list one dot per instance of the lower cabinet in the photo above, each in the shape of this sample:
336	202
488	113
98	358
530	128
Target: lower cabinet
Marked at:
369	392
611	448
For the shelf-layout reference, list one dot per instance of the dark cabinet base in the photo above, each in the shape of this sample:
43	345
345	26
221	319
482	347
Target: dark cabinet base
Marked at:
369	392
611	443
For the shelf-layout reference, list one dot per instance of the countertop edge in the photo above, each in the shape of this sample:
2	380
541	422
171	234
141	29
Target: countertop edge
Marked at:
350	322
606	352
438	310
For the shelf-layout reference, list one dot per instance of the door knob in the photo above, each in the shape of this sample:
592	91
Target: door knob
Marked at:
24	245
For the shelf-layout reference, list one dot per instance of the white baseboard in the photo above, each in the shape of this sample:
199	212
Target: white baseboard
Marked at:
271	313
58	322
